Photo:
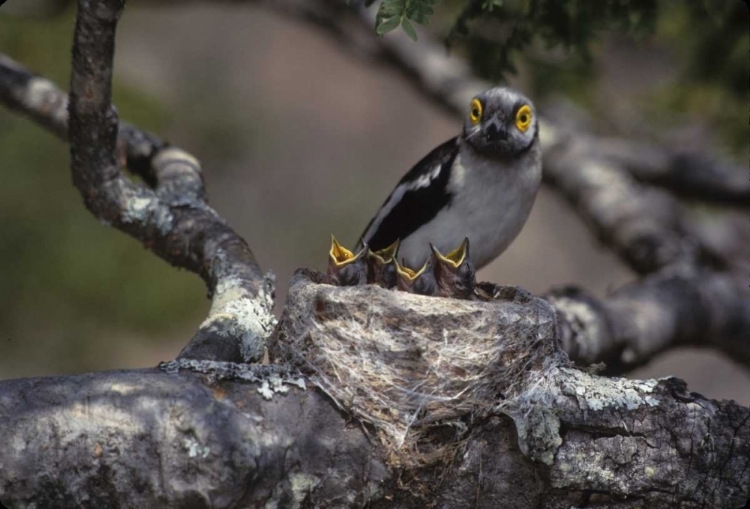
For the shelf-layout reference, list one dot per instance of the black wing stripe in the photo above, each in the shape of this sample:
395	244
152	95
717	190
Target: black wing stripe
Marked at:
417	206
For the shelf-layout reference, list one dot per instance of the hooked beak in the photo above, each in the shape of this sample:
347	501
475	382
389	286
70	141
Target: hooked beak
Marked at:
495	130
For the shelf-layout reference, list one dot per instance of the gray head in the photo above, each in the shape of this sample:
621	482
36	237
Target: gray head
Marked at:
501	122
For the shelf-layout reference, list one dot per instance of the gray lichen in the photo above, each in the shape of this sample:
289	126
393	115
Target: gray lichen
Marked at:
537	408
236	312
195	449
596	393
43	95
272	379
143	207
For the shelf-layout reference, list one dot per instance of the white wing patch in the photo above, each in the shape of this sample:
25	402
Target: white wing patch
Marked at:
458	175
398	193
424	180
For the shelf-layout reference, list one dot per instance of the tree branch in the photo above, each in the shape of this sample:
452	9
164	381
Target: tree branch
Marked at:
642	224
172	218
200	434
689	173
43	102
455	400
669	309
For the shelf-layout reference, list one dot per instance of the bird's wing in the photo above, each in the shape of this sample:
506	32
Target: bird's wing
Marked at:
418	197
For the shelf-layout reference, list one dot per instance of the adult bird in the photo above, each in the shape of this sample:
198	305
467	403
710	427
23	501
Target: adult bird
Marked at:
479	185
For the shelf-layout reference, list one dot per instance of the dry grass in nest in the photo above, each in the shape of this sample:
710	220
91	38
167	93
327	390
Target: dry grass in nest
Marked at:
405	363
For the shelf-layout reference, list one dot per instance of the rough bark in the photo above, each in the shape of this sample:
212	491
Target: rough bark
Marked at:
173	221
203	434
171	216
643	319
377	398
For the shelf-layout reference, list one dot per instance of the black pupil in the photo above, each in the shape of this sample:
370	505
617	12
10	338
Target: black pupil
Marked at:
523	119
475	112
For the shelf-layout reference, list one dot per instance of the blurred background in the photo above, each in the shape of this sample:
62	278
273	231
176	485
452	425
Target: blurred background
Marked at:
299	139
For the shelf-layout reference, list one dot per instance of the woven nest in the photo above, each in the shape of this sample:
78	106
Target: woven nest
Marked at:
405	362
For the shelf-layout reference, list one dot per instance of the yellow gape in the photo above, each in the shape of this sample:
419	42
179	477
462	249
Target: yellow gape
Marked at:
475	113
339	254
523	118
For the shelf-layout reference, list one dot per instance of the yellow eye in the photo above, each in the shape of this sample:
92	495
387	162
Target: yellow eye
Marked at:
475	113
523	118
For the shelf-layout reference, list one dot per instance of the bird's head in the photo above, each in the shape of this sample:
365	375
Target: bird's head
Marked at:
381	268
346	268
421	281
502	122
454	272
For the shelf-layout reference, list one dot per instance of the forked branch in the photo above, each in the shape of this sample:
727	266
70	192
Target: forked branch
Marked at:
171	217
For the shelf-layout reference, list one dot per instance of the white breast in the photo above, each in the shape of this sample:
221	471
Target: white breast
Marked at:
491	202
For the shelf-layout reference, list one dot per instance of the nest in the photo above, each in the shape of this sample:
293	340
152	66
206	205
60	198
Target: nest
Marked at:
405	363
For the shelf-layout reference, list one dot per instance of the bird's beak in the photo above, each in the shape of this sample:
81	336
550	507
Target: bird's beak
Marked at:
381	269
456	257
410	275
421	282
495	130
386	255
344	267
340	256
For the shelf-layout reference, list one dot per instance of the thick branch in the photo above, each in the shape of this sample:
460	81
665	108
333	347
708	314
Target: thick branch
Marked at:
641	223
148	439
689	173
637	322
172	218
178	439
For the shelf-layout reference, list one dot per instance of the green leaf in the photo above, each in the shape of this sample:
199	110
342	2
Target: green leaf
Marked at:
385	25
409	29
393	13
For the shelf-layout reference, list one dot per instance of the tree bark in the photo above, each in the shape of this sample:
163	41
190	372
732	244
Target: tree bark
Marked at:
209	434
378	398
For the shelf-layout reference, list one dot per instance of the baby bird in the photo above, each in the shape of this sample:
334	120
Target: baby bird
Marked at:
381	266
420	281
344	267
454	272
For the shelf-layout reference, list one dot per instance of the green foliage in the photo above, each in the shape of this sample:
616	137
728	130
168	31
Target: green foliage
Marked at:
496	32
558	46
712	82
393	13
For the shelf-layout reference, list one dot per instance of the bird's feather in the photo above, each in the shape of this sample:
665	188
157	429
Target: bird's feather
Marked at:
420	195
